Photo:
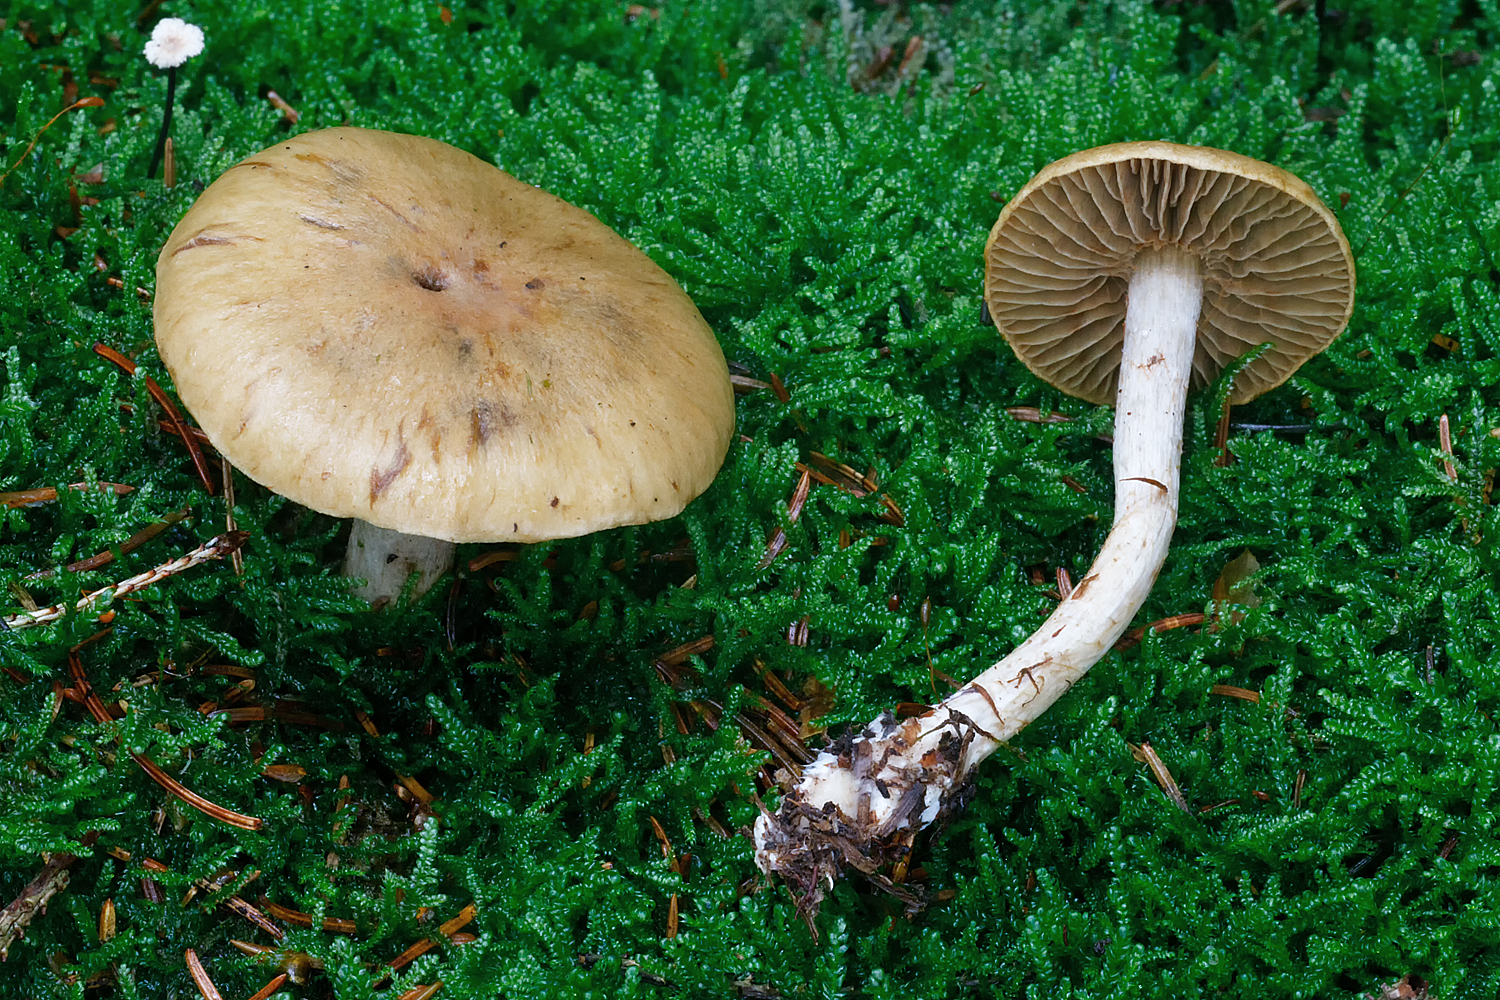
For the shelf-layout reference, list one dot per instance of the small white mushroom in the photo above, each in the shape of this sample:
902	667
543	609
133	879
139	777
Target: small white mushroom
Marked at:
1214	253
384	327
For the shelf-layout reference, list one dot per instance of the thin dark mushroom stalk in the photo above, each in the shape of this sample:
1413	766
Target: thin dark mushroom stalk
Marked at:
173	42
1214	254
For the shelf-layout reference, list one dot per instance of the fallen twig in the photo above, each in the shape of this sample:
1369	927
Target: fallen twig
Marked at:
215	548
33	899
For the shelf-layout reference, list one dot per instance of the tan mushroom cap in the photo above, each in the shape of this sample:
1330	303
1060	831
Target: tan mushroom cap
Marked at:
1275	264
384	327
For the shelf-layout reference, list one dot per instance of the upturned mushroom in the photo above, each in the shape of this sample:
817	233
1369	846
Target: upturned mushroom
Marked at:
386	328
1126	273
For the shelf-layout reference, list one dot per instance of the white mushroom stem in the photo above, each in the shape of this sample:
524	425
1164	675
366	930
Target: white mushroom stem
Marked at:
385	558
861	803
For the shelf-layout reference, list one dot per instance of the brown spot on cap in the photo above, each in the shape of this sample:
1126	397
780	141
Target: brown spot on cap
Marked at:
203	241
381	479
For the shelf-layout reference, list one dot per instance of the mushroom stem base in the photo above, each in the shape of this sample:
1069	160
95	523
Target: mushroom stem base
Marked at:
386	558
862	802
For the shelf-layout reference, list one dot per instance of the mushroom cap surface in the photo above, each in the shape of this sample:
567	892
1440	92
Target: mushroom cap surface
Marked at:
1275	264
384	327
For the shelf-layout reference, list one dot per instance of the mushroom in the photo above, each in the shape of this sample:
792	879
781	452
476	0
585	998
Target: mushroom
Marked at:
386	328
1215	254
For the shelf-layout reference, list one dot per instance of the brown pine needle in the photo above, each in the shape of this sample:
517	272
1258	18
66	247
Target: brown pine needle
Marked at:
1221	439
1163	777
661	837
415	787
47	494
744	384
130	544
775	545
678	655
198	435
425	945
215	548
86	102
1230	691
422	992
1032	415
836	473
270	988
1445	441
101	714
777	688
205	985
297	918
289	114
226	476
1135	635
490	558
192	798
165	402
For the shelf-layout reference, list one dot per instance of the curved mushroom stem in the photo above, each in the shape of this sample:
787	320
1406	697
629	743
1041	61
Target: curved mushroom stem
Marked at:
862	802
385	558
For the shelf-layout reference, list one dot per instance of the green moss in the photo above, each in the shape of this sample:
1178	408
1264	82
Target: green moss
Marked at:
831	233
